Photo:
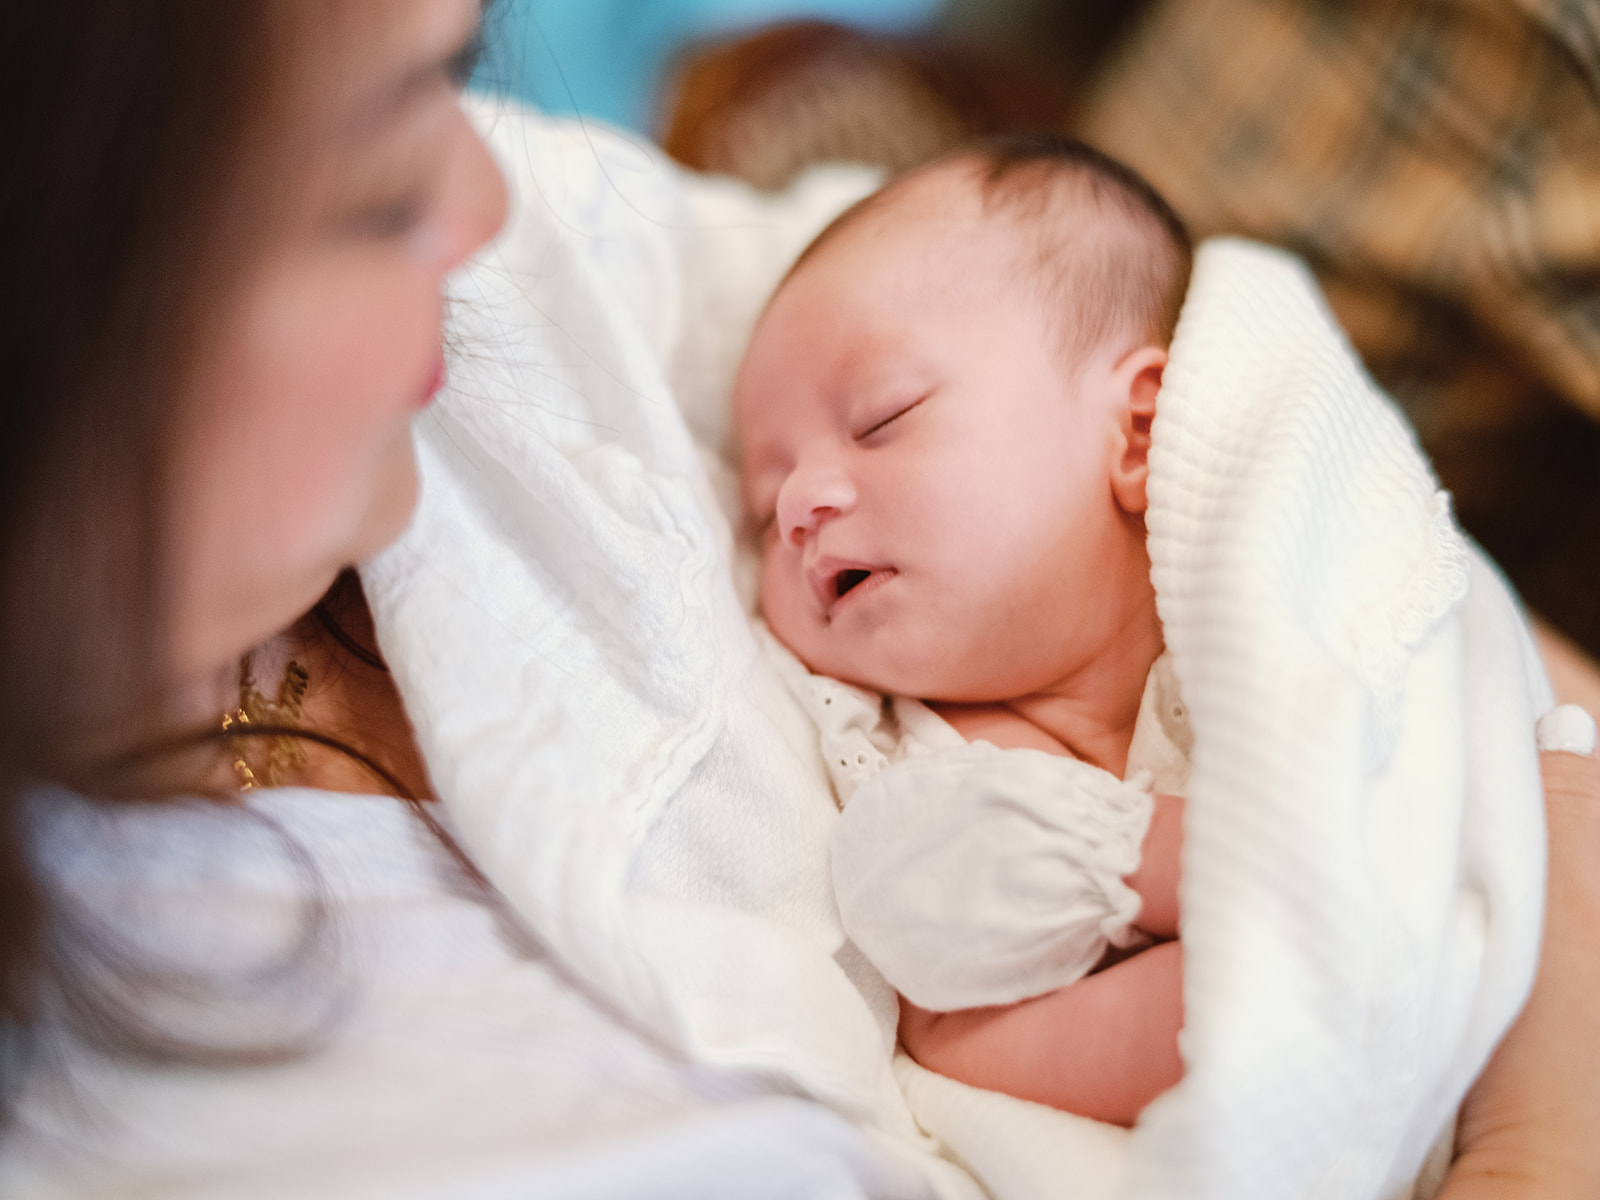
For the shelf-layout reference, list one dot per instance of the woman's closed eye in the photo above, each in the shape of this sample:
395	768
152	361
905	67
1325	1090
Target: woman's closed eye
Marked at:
894	416
390	218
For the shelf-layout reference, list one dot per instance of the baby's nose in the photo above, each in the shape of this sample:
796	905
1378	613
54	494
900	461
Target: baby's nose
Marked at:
810	496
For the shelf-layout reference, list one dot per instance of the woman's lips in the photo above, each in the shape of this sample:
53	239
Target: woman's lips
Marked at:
436	378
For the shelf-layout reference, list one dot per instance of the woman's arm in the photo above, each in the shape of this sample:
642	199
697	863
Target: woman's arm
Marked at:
1531	1126
1530	1129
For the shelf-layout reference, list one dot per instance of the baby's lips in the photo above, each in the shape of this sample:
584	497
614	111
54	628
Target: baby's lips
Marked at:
820	576
832	578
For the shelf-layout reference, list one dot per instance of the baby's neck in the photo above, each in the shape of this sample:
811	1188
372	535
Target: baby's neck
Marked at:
1089	713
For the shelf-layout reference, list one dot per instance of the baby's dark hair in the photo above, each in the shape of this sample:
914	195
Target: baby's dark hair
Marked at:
1125	274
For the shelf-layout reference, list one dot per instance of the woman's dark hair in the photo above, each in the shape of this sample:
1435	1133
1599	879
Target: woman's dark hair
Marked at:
126	126
138	180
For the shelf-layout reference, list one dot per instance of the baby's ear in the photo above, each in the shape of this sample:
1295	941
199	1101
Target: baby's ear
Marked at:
1137	379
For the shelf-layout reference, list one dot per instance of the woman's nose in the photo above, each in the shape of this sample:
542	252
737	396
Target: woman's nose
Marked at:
810	496
482	199
472	206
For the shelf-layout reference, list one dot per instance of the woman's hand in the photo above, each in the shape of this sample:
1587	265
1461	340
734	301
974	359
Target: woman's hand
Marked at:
1531	1125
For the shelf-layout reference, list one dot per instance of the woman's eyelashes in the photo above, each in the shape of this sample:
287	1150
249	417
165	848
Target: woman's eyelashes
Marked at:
400	200
894	416
392	218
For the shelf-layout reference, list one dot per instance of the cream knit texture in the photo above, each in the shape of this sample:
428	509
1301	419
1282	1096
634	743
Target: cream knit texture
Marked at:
1363	863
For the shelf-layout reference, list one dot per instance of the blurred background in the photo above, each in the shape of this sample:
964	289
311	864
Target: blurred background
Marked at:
614	60
606	58
1436	163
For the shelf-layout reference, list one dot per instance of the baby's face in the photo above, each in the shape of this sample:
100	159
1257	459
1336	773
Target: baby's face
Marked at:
932	482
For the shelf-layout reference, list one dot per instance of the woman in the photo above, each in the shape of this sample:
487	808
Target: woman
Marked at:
230	228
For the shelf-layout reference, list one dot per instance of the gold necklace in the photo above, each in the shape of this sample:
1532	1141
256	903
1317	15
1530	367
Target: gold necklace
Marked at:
274	755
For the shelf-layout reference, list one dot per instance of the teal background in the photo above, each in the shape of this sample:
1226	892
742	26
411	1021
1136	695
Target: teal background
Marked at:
605	58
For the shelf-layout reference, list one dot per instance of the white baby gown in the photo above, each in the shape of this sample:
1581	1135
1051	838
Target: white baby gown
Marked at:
973	876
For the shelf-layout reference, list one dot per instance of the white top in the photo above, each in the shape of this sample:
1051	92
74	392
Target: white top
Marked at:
444	1056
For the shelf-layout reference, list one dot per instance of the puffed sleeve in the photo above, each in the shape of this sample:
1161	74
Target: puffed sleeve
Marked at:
977	876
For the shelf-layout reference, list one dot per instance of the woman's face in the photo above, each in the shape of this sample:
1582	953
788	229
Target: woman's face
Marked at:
295	457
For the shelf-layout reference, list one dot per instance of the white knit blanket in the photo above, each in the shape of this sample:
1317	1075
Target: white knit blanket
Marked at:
1364	846
1363	867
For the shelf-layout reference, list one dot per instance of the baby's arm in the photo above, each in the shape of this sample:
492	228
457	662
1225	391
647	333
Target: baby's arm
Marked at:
1103	1047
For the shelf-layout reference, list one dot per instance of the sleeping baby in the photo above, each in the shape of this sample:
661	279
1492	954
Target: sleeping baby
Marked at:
945	418
993	563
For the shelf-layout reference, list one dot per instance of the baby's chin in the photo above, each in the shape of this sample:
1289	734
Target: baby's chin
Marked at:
877	662
826	660
862	672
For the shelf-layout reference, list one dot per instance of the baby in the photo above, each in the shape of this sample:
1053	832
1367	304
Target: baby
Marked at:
945	420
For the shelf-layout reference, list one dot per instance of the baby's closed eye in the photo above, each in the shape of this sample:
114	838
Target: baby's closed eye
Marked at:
883	422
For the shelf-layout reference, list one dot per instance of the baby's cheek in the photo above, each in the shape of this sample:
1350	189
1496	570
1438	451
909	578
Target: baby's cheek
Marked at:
779	607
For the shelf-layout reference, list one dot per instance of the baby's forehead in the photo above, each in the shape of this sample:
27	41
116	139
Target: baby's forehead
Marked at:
946	200
935	226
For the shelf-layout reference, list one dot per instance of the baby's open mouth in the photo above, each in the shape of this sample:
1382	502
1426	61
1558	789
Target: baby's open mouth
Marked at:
845	580
832	579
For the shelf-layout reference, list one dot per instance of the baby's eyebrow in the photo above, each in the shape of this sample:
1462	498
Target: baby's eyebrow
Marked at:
869	361
883	362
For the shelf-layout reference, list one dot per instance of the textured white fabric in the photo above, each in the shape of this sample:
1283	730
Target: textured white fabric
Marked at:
563	623
973	876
